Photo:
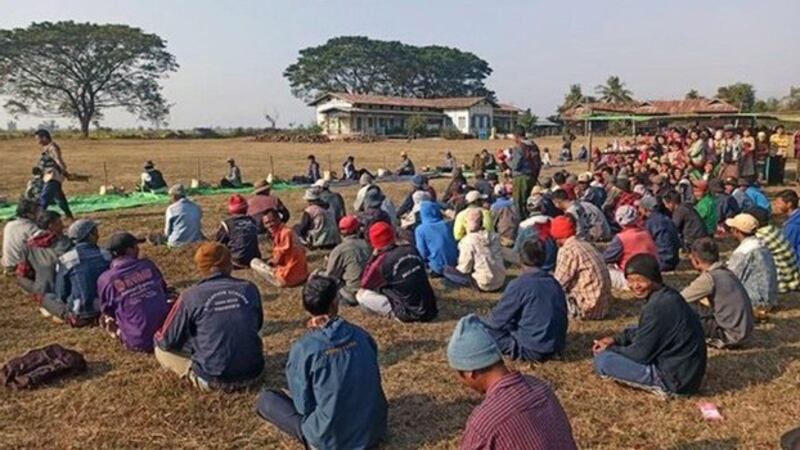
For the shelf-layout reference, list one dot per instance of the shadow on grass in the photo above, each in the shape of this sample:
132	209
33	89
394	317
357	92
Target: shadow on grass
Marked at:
432	421
704	444
732	371
398	351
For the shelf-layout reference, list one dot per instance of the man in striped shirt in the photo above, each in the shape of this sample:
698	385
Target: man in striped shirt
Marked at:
518	411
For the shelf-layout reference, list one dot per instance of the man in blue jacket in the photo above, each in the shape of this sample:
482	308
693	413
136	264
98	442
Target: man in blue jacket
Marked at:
530	321
334	380
786	203
664	232
434	238
211	336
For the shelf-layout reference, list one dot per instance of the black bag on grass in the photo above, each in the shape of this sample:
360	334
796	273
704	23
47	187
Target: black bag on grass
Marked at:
40	366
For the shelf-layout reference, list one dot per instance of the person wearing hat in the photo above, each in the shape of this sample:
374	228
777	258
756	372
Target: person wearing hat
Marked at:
418	184
211	335
16	233
434	239
782	252
666	351
473	199
525	164
591	191
347	260
152	180
368	188
262	201
518	411
705	205
318	227
239	232
406	166
36	263
506	217
133	295
183	223
535	227
313	173
686	219
372	211
529	322
753	264
719	298
334	200
663	231
581	271
395	283
75	299
335	398
234	177
480	258
287	267
629	242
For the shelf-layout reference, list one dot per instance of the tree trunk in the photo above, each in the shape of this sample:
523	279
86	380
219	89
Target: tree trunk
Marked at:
85	127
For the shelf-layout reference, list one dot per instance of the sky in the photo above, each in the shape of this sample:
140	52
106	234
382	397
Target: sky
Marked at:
232	53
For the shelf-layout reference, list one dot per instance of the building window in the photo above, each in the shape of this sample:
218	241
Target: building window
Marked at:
370	123
358	123
462	122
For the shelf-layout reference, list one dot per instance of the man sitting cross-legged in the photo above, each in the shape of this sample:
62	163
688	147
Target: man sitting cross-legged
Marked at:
335	396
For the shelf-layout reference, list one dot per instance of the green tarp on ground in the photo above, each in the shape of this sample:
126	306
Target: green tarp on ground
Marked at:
81	204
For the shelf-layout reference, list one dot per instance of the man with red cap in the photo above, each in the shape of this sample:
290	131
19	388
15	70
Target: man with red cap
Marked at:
395	283
288	266
581	271
239	233
347	260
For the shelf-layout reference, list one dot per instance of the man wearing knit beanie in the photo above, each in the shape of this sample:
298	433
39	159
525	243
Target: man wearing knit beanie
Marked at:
581	271
239	232
473	353
395	282
347	260
219	308
666	352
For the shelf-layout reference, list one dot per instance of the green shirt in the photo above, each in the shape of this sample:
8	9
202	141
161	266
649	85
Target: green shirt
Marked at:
707	209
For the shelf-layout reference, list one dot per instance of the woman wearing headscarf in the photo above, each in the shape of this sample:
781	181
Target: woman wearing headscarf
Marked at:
631	241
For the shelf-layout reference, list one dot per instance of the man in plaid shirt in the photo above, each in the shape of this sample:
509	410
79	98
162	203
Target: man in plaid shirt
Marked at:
782	252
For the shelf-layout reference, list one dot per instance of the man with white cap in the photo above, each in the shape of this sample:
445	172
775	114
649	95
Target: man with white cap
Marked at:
184	219
152	180
753	264
631	241
406	165
318	226
75	299
518	411
474	199
333	199
234	177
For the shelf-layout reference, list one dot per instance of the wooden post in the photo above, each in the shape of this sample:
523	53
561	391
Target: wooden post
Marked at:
105	173
633	127
199	170
271	166
330	163
591	150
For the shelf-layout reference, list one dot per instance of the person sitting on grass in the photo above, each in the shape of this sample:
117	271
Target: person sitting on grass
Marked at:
480	257
211	335
719	298
686	219
537	227
234	177
75	300
313	174
705	205
529	322
372	210
631	241
152	180
184	219
434	239
318	227
36	272
727	206
474	199
786	203
782	252
518	411
239	233
581	271
17	232
133	295
263	201
749	194
406	165
506	217
335	397
418	184
334	200
666	352
394	283
347	260
288	266
753	264
590	220
33	189
664	232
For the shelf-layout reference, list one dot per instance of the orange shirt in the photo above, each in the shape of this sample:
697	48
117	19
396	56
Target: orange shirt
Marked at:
289	257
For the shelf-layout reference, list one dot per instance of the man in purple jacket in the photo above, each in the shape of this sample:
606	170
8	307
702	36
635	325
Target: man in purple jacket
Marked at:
133	295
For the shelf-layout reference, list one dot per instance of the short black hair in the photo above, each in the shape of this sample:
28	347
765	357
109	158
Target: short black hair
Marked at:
36	170
761	215
533	253
672	197
559	194
27	208
319	294
559	178
706	250
788	196
46	218
42	133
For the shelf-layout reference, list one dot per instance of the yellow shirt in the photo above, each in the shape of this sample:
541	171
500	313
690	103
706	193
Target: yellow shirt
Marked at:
781	143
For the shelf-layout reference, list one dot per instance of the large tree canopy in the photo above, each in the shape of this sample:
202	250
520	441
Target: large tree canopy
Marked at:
740	95
80	69
360	65
575	97
614	91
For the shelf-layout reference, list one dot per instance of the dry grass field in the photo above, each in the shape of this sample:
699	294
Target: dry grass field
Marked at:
125	401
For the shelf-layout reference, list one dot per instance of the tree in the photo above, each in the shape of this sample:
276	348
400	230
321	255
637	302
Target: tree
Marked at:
792	101
357	64
416	126
78	70
740	95
693	95
527	120
574	97
771	104
614	91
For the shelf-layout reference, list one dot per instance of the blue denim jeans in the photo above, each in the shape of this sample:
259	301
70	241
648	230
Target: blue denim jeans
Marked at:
52	192
625	370
277	408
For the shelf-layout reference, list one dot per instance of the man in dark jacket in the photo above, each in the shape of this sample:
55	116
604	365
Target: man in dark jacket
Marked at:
75	299
36	272
418	183
663	231
333	199
347	260
395	283
686	219
372	212
239	233
152	180
335	395
318	227
530	320
525	164
666	351
211	336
